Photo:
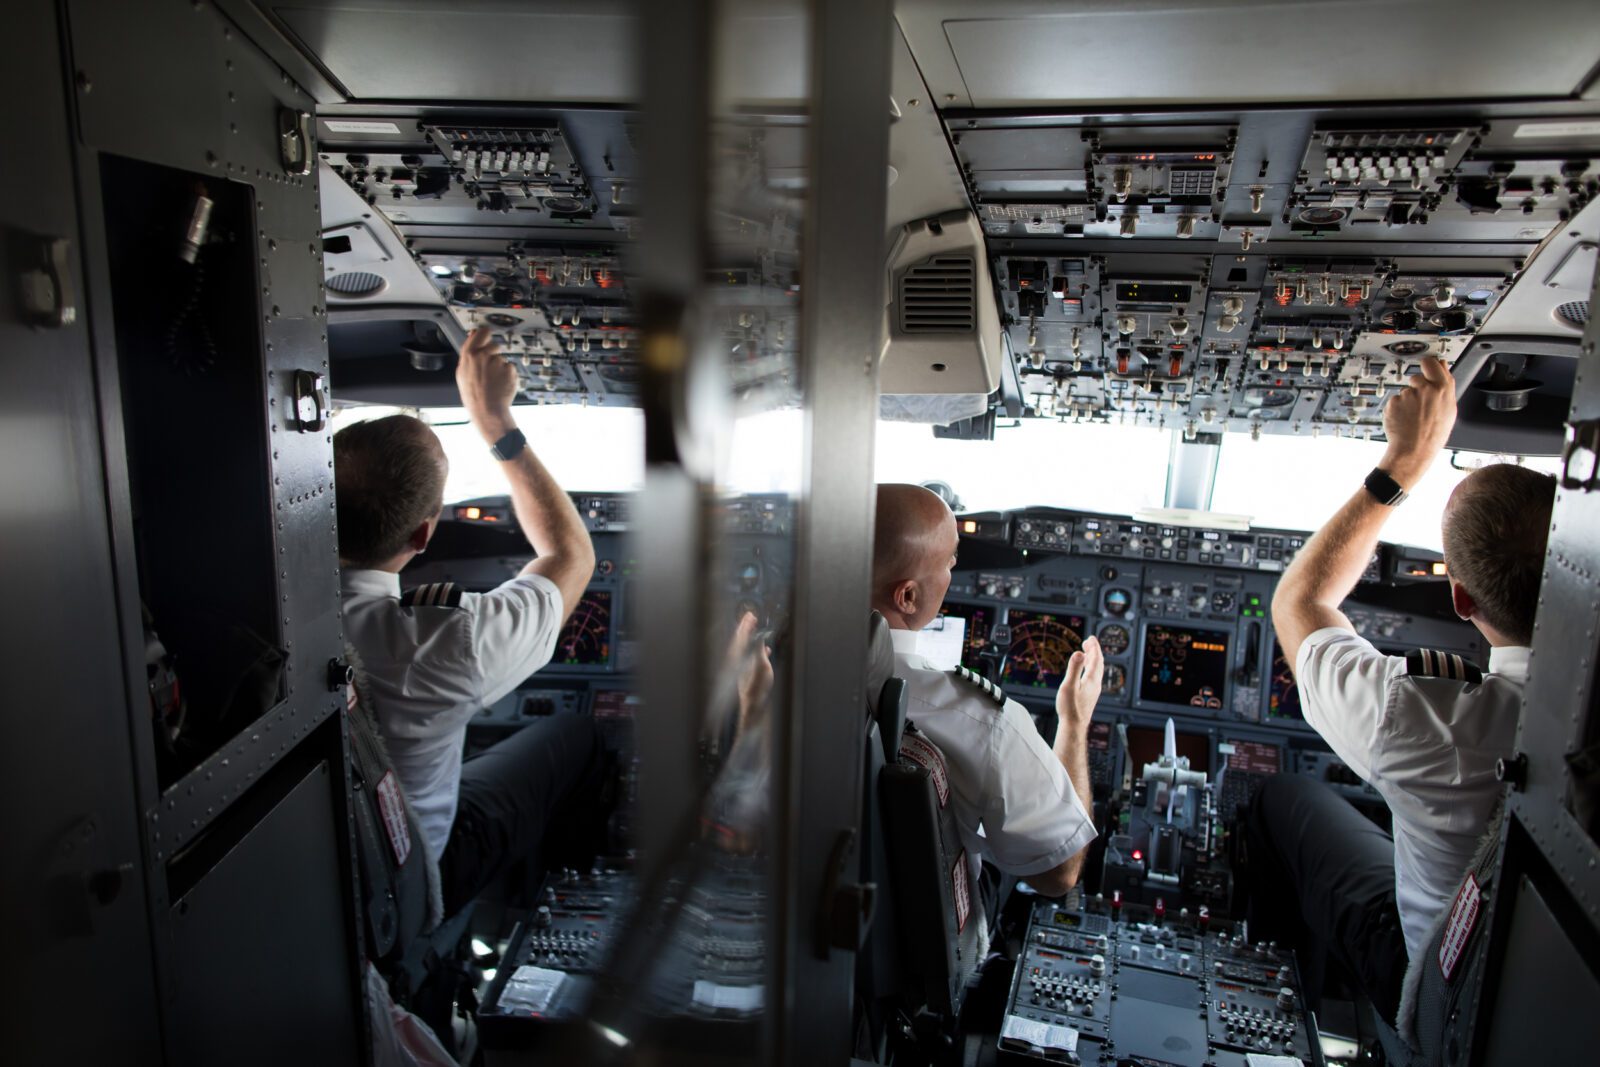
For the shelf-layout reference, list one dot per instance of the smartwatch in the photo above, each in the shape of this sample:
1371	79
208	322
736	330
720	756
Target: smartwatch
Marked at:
509	447
1384	489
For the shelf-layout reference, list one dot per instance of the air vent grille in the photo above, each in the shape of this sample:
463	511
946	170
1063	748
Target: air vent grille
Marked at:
939	295
355	283
1574	313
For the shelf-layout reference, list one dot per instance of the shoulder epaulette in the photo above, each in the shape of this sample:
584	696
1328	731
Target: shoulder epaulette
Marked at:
434	595
1431	663
981	682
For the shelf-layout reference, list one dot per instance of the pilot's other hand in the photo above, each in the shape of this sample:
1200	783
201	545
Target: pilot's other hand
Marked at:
487	382
1417	421
1080	686
755	679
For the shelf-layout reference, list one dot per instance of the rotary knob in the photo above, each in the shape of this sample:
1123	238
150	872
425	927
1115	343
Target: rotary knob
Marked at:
1126	324
1178	327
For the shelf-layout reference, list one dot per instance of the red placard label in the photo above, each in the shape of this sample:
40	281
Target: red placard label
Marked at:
1463	917
394	817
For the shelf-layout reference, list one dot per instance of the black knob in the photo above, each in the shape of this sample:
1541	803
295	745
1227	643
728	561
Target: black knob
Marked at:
1512	770
340	674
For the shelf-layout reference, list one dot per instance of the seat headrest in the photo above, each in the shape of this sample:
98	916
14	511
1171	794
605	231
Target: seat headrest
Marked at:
880	658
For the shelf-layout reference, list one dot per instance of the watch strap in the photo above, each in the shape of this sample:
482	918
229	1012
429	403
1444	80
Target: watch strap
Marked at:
509	446
1384	489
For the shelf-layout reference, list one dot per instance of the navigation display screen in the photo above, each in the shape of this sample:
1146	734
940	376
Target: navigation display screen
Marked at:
585	641
1283	699
979	621
1041	644
1184	666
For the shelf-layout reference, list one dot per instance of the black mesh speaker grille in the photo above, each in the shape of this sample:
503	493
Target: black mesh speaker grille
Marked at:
939	295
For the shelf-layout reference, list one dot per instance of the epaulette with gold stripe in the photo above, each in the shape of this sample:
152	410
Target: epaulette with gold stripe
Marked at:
1431	663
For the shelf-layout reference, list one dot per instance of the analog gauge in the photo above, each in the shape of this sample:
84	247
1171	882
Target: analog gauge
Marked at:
501	319
1407	348
1269	398
1118	601
1114	681
1322	215
1400	292
1222	603
1114	639
605	568
1425	305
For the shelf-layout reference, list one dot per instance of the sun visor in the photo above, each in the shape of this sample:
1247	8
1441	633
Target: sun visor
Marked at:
938	409
942	337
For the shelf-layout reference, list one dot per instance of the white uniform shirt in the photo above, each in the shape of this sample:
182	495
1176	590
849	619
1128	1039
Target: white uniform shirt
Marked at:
424	671
1427	745
1003	777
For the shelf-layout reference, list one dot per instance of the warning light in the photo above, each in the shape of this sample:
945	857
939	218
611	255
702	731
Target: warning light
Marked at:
1440	569
474	513
969	526
1138	854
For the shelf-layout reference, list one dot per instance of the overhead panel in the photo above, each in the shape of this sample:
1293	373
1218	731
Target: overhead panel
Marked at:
1033	53
479	52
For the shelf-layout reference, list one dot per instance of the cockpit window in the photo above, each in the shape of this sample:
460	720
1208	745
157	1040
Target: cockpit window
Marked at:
1298	482
587	449
1119	469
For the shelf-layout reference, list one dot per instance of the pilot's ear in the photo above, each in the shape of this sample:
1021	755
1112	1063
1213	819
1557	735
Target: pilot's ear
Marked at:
421	536
1461	600
905	597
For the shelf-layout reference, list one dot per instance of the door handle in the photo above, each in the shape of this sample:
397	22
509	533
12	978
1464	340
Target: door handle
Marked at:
47	293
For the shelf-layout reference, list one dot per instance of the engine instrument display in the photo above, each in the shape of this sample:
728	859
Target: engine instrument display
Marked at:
1184	666
1041	644
1283	699
1115	680
1114	639
976	641
585	641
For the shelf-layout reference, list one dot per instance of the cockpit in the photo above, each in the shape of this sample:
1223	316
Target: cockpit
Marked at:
1131	290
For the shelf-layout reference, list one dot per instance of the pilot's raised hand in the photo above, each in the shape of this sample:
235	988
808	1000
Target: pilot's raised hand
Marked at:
487	383
1080	686
1417	420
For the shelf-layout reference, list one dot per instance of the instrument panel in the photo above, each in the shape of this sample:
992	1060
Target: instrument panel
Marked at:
1182	616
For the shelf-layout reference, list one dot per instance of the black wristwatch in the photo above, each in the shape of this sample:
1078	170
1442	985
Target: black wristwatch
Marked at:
1384	489
509	446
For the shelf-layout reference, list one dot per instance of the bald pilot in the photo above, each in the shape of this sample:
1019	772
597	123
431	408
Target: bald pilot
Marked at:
1030	802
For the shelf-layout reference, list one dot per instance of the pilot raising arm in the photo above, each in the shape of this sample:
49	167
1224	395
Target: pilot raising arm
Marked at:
1424	729
427	661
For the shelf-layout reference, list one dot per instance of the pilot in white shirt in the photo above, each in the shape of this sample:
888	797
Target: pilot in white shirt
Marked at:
430	660
1424	729
1004	779
427	661
1018	802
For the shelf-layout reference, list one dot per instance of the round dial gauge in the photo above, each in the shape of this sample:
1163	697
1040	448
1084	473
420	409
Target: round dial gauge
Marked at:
1118	601
1114	639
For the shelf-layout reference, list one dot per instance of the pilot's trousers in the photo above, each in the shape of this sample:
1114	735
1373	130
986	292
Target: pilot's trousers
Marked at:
536	792
1322	880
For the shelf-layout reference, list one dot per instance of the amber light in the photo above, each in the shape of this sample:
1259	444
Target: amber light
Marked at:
474	513
969	527
1440	569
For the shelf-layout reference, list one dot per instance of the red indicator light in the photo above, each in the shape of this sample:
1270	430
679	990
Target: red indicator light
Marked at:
1138	855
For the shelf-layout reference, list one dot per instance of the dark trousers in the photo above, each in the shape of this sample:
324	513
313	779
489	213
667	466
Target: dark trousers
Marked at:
1322	881
538	791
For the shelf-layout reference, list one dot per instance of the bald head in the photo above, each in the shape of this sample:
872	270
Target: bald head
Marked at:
913	549
1495	527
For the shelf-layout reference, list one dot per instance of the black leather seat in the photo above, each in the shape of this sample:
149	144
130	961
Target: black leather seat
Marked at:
922	949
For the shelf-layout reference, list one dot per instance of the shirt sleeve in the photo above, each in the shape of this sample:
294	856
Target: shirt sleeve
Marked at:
514	630
1344	693
1034	819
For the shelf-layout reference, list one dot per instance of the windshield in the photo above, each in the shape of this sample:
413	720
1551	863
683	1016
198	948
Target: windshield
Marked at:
1279	481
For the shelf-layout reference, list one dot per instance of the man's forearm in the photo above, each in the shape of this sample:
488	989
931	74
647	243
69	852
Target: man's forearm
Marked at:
1326	571
545	513
1071	749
